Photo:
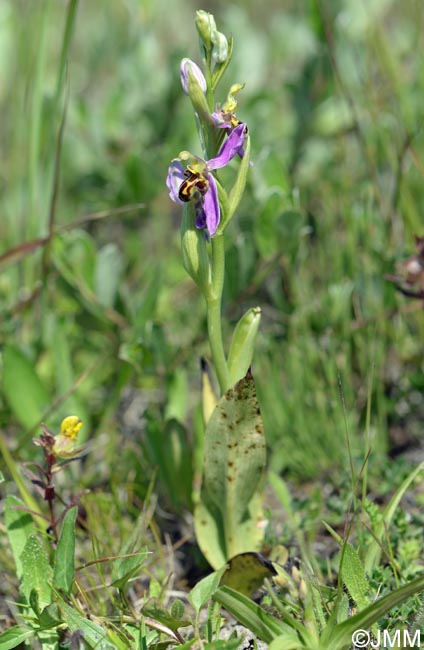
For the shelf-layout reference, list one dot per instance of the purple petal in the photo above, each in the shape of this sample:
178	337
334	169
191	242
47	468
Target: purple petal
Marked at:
174	179
211	206
200	216
231	147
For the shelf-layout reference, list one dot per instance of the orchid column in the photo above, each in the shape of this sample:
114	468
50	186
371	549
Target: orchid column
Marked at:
207	206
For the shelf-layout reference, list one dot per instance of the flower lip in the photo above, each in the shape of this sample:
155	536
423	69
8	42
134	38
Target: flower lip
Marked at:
194	186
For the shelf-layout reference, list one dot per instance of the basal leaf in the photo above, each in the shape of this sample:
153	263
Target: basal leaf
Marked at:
234	452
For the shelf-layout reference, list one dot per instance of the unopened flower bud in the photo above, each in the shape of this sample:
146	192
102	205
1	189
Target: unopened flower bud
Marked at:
220	47
189	68
205	23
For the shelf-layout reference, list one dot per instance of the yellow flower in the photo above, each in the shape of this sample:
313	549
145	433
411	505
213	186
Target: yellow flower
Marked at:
70	426
64	446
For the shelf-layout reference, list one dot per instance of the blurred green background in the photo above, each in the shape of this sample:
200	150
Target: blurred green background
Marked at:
101	320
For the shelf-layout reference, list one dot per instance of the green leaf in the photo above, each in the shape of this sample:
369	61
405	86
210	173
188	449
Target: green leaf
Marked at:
23	389
49	617
64	569
352	571
234	452
354	578
205	589
14	637
19	526
248	613
155	610
340	636
93	633
177	609
243	344
37	572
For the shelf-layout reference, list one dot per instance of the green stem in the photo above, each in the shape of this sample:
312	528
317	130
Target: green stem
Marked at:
213	301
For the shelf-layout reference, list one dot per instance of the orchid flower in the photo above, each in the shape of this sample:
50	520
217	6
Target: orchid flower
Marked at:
196	183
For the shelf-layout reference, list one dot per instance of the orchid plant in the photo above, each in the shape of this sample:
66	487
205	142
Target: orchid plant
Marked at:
228	515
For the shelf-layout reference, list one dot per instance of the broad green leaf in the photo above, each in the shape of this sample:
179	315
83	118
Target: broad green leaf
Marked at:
234	453
340	636
205	589
93	633
19	526
64	569
374	551
248	613
14	637
36	571
107	274
23	389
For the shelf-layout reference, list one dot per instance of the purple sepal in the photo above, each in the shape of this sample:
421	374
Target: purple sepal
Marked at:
231	147
174	179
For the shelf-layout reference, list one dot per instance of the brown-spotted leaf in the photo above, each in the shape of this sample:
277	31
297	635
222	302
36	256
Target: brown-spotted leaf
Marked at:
234	461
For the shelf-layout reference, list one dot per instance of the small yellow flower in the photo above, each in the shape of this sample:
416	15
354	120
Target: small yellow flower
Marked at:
64	446
70	426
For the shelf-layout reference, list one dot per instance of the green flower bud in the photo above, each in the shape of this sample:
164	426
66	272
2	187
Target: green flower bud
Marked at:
220	47
205	23
243	344
195	255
